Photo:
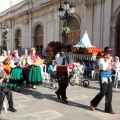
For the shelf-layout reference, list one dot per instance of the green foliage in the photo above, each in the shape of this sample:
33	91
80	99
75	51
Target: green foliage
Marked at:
5	40
51	51
66	29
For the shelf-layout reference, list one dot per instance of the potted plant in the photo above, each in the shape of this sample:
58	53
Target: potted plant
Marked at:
65	30
5	40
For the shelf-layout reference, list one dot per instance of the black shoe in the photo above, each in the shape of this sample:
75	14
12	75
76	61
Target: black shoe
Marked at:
12	109
65	101
58	96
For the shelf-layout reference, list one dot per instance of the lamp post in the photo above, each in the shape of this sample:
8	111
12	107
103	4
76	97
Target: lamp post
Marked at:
5	37
66	11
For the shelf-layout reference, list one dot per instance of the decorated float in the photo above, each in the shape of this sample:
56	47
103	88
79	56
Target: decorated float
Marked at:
84	50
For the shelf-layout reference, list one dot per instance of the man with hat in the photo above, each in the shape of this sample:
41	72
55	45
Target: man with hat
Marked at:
62	74
106	65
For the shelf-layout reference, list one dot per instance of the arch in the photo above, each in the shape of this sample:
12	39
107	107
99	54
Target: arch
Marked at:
115	32
33	30
38	37
18	38
18	33
73	37
38	30
115	17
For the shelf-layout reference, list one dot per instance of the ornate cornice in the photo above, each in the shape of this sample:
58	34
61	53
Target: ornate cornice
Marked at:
95	2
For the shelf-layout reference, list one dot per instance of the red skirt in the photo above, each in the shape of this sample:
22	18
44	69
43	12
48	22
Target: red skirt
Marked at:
25	70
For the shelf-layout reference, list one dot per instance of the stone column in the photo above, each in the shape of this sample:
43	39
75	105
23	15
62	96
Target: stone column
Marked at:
0	34
13	35
24	34
101	25
113	40
9	43
29	31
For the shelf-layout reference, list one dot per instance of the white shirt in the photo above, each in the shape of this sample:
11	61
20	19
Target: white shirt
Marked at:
103	65
57	57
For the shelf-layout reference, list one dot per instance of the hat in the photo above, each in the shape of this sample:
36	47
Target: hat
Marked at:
108	49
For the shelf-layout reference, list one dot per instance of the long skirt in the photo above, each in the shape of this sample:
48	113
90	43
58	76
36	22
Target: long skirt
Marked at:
16	77
34	75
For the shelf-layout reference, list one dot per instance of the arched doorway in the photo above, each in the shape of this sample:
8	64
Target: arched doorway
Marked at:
18	40
38	43
118	36
115	32
73	37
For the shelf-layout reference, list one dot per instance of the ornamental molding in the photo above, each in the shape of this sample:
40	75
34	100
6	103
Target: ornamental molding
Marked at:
89	3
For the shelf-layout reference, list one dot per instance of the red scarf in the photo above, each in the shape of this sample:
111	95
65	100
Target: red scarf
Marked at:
34	57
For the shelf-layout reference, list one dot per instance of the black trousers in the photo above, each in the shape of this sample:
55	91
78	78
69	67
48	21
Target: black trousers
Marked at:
62	90
63	83
4	91
105	90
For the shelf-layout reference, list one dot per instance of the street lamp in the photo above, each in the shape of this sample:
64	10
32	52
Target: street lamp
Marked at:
5	38
65	12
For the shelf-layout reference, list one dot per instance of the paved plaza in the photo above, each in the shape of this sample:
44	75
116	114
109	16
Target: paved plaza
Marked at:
42	104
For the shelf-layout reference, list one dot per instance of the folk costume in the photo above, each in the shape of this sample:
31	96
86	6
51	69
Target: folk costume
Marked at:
105	66
62	75
34	72
16	76
24	64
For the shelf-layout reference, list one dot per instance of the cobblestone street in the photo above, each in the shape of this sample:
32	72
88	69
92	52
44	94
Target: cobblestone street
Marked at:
42	104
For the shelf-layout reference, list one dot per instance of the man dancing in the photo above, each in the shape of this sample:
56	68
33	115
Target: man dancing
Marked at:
62	74
106	65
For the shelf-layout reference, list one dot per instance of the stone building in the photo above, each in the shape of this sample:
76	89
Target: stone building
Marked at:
34	23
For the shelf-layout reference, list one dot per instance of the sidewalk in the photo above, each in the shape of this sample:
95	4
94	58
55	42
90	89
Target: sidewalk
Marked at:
42	104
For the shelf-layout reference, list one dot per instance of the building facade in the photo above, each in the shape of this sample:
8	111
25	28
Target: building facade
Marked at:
35	23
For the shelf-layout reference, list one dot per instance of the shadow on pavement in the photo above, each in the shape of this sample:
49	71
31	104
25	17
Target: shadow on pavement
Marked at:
39	95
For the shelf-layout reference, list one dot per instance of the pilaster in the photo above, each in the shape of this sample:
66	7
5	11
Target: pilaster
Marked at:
89	3
113	39
30	30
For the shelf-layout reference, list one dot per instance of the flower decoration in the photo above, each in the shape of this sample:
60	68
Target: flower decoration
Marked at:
51	51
